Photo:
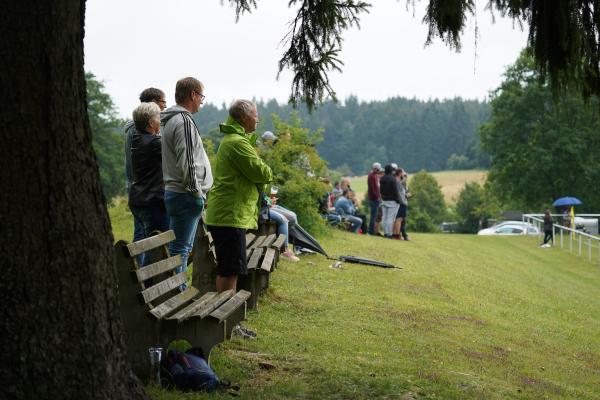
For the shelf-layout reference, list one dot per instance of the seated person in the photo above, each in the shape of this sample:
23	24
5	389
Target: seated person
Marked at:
282	228
336	192
327	210
345	208
363	217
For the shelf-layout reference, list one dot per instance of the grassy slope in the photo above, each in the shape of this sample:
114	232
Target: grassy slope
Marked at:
451	182
466	318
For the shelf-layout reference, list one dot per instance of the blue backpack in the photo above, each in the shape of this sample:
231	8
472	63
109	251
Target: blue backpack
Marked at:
189	372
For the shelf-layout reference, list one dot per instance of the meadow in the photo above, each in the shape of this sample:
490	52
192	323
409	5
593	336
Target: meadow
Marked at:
463	317
451	182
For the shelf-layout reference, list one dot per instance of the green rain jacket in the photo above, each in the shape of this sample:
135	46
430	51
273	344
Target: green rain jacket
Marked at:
239	176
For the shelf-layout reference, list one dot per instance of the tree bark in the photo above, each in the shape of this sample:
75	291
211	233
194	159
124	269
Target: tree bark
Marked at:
60	335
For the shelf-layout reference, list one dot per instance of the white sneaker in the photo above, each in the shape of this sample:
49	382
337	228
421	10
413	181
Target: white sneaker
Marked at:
288	255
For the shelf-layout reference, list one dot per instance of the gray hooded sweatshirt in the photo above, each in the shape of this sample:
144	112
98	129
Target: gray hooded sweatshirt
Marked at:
186	168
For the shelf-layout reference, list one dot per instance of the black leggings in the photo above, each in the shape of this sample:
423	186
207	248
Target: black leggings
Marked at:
547	236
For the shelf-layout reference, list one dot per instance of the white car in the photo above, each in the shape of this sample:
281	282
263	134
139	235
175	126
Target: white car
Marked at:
510	228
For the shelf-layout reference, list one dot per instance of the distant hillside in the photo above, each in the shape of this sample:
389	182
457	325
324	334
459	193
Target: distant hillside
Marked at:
413	133
451	182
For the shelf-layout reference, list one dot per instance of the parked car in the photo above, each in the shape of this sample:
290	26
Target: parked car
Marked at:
510	228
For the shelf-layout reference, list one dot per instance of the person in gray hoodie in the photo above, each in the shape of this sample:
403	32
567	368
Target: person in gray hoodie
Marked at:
186	170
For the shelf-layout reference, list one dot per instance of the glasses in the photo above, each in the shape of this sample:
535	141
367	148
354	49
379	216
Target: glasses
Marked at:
202	97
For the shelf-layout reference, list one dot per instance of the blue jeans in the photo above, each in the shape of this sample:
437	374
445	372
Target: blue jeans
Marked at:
151	218
138	234
282	224
184	212
374	206
354	221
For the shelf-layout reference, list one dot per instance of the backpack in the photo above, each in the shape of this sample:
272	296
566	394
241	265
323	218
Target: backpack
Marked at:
188	372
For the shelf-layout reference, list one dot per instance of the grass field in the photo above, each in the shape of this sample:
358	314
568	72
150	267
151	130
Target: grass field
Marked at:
451	182
466	317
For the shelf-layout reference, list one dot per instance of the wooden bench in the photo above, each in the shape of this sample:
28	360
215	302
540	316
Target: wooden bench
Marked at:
157	312
262	252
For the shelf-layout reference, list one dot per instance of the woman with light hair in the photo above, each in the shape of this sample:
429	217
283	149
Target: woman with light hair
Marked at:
147	191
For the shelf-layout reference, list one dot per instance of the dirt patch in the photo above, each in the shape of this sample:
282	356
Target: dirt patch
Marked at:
542	385
417	318
429	375
477	322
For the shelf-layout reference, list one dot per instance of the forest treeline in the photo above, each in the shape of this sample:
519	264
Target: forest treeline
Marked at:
432	135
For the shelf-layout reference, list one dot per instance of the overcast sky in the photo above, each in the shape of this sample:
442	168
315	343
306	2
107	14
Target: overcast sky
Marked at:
135	44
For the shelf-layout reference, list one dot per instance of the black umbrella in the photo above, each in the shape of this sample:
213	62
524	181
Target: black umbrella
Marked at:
366	261
299	237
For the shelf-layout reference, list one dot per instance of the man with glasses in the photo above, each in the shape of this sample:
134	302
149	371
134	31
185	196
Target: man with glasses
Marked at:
186	170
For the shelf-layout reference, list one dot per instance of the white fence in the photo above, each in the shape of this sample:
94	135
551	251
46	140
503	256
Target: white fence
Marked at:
575	240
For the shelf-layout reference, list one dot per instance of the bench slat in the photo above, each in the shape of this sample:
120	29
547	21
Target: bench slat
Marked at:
278	243
269	240
194	307
257	243
214	303
230	305
255	257
249	238
163	287
174	303
268	260
152	242
158	268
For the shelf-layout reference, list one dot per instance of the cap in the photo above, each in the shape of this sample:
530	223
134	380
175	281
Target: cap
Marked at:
377	166
394	165
268	135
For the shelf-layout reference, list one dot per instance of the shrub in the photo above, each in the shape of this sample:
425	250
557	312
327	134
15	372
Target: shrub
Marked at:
296	169
426	206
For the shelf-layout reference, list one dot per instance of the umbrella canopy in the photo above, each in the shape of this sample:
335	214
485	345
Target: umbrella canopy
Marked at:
567	201
366	261
299	237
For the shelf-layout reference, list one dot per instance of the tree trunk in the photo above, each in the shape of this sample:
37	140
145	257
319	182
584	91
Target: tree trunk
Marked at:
60	335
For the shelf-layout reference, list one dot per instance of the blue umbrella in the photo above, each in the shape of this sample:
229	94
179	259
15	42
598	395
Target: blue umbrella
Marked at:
567	201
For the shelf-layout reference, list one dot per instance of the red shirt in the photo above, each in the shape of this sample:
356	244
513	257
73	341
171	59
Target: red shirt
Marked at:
373	185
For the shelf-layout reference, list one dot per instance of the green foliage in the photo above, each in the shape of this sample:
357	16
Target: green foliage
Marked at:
427	207
357	134
107	138
458	162
296	168
540	149
474	206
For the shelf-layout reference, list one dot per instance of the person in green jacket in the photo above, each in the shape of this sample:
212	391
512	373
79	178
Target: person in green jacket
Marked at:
239	176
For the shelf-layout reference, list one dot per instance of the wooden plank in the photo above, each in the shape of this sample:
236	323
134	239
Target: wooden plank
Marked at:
248	252
249	238
230	305
163	287
158	268
257	243
268	240
268	260
174	303
254	258
213	303
191	309
278	243
152	242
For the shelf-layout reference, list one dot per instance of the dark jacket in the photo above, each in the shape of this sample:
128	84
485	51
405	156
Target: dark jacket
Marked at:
147	187
388	187
548	222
